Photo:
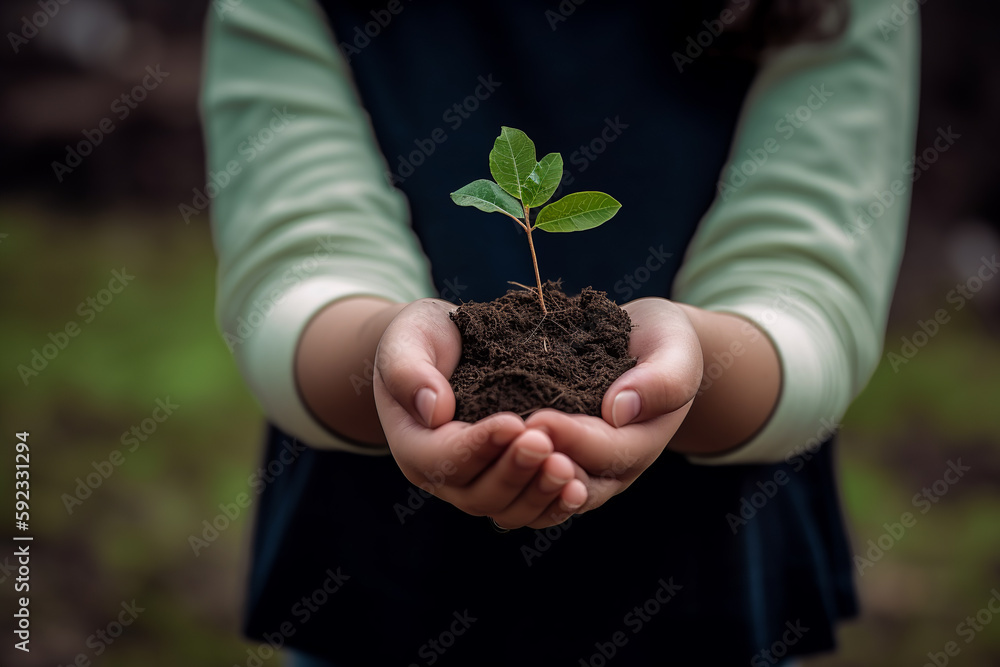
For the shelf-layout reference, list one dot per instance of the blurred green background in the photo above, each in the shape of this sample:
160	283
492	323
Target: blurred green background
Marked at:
156	340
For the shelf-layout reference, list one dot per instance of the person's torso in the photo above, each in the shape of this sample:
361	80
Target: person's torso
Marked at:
676	569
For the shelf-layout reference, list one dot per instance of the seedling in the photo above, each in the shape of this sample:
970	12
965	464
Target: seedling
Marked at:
522	184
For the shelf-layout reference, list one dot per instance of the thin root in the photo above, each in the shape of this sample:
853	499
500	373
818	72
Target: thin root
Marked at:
528	337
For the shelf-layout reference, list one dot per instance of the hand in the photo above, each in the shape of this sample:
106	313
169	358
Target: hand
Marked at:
641	410
495	467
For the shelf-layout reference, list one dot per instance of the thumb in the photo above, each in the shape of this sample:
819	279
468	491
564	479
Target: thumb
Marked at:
416	355
669	368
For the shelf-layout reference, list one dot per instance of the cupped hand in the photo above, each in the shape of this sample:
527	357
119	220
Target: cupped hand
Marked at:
494	467
641	410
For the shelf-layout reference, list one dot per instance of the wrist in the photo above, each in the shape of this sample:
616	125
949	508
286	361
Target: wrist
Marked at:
741	384
334	362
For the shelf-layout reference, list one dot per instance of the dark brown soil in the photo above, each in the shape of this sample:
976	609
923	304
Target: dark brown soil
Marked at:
515	360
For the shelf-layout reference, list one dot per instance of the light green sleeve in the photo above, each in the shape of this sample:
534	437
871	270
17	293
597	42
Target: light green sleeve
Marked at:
302	214
827	130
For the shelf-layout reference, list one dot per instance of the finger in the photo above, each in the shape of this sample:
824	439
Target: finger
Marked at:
417	354
573	499
451	455
504	482
669	368
590	442
547	486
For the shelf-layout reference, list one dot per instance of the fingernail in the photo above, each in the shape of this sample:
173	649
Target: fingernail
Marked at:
550	484
573	505
626	407
528	458
425	400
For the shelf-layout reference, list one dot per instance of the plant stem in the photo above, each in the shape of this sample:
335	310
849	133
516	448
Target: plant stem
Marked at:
534	261
517	220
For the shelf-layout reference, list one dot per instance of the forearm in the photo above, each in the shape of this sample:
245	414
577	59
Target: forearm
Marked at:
740	387
334	364
783	247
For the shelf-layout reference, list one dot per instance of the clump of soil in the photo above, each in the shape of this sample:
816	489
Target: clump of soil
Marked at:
515	360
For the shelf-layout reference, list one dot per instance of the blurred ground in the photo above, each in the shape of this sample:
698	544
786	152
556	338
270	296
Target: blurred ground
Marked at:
127	539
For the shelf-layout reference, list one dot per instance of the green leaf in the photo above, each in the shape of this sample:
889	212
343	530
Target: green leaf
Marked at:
576	212
543	180
512	160
487	196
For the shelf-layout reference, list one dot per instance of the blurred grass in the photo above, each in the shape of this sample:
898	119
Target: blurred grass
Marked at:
154	340
897	439
157	339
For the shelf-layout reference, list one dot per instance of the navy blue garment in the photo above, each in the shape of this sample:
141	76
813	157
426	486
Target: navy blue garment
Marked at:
353	563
